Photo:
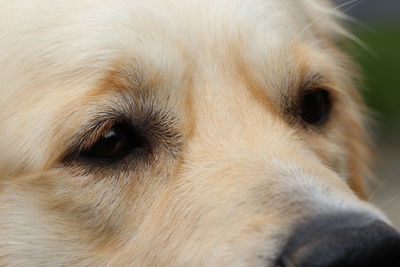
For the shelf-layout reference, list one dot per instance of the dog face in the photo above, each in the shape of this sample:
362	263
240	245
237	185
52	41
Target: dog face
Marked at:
174	133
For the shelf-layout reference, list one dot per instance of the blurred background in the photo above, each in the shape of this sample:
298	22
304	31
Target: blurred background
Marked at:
378	26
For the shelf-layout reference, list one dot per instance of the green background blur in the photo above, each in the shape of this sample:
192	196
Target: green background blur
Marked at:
378	27
380	62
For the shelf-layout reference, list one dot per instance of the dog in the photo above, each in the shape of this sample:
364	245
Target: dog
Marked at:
183	133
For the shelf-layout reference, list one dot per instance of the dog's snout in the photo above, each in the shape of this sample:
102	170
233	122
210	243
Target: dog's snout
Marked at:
342	241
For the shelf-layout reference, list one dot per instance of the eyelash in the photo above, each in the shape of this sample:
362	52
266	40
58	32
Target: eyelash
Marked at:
160	130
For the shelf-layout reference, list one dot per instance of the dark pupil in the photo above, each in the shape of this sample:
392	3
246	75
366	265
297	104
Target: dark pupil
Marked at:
315	106
116	143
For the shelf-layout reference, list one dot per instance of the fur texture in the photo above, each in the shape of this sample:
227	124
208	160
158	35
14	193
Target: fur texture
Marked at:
215	86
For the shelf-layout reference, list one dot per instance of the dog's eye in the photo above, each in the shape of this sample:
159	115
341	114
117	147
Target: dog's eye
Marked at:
116	143
315	106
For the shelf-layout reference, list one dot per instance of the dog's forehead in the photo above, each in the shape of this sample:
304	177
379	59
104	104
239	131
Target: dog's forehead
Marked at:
97	34
268	37
206	37
204	31
195	22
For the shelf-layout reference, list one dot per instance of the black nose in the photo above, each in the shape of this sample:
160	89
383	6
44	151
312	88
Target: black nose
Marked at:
342	241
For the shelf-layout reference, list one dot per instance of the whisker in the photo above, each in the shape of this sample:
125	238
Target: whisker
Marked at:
390	201
328	12
379	187
355	4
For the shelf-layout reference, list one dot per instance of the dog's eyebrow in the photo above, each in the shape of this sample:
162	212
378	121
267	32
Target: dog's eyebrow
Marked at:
313	79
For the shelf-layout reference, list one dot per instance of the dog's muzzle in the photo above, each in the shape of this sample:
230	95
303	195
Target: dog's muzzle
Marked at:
351	240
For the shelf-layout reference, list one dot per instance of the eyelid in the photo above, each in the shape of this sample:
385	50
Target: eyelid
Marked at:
96	132
88	135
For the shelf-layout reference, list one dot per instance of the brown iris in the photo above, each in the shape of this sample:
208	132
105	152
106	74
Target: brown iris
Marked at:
116	143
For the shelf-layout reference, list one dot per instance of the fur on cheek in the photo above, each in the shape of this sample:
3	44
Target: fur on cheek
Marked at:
49	215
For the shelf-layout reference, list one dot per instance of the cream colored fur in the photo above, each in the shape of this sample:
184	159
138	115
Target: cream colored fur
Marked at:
236	176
